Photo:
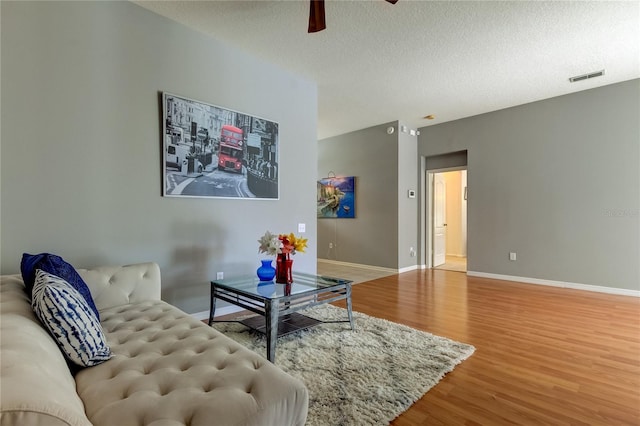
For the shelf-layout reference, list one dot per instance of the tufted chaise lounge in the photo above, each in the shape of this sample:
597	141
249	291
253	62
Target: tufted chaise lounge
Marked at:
168	368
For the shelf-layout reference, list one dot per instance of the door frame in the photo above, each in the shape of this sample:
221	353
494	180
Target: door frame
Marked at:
427	234
439	224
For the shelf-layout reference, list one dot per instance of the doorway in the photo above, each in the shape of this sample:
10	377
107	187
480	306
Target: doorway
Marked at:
448	219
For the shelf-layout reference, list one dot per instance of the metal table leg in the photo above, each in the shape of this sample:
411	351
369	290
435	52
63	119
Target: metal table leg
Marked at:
271	319
349	311
212	309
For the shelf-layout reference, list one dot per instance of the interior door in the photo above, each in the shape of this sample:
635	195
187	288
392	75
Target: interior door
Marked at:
439	219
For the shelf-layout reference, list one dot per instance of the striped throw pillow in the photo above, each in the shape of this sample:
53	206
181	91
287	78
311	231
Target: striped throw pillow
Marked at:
69	319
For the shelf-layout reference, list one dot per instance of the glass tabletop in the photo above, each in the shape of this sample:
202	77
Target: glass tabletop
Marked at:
302	283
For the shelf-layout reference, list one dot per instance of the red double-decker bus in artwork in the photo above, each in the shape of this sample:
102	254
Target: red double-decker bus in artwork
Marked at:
231	149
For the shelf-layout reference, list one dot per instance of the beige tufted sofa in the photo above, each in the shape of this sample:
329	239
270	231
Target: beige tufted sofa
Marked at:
168	368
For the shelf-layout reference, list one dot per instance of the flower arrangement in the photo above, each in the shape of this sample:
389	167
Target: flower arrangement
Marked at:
274	244
281	246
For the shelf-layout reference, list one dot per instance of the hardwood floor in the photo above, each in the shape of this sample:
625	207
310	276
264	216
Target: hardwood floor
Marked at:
544	355
356	274
454	263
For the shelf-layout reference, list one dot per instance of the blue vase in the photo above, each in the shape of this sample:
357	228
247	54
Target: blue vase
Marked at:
266	272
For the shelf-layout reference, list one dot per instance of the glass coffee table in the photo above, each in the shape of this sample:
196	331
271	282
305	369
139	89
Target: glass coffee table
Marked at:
277	305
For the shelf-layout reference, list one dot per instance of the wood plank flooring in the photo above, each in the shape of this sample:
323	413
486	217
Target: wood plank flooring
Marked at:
454	263
356	274
544	355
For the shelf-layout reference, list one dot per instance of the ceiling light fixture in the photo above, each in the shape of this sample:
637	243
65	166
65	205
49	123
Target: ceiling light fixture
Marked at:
429	117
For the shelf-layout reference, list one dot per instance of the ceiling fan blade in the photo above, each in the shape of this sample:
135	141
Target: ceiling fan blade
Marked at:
316	16
317	20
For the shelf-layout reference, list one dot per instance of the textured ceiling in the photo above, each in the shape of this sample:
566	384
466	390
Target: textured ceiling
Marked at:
378	62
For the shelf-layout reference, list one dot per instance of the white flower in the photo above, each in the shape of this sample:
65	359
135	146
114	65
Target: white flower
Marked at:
269	244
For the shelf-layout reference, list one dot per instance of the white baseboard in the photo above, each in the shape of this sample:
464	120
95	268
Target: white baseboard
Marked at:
358	265
576	286
375	268
408	268
226	310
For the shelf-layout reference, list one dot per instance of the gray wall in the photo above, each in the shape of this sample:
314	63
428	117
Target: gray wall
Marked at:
557	182
371	238
407	207
386	223
81	156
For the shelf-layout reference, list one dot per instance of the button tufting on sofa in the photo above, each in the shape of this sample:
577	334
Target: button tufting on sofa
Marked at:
168	368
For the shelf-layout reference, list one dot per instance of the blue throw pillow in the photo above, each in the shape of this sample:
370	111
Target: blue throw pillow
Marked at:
64	312
28	268
55	265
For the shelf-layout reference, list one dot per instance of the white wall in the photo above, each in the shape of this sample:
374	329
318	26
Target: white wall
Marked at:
81	148
463	213
454	213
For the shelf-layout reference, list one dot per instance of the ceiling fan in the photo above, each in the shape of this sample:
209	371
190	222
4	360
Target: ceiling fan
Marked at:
316	15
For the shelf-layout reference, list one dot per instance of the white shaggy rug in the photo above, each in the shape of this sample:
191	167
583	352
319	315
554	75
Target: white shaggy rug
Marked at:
363	377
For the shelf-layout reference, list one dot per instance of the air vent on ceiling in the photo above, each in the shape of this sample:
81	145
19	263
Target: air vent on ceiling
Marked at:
586	76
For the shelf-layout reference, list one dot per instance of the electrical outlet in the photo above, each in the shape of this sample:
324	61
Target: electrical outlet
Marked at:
412	252
220	276
512	255
302	228
330	245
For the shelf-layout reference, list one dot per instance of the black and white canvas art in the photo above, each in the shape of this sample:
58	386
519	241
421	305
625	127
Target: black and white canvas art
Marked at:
210	151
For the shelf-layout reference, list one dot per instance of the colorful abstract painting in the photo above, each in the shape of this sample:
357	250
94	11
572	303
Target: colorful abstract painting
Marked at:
336	197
